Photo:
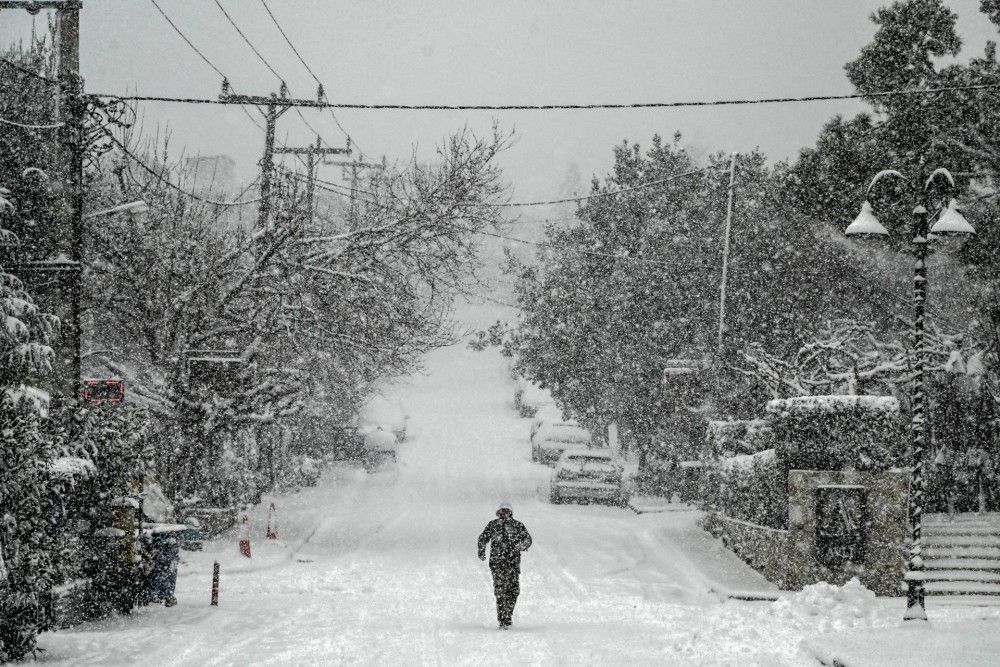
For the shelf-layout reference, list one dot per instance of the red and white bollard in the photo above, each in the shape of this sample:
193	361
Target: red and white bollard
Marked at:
245	537
272	523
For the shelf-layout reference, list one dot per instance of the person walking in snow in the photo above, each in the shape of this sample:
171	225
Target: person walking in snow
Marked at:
507	538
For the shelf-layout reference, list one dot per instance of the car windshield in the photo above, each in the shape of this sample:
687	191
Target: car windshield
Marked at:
590	464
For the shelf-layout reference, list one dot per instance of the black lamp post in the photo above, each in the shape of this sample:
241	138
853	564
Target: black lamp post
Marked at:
950	221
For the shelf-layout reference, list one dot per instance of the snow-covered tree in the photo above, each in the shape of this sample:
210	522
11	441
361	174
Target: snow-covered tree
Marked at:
317	312
636	283
26	546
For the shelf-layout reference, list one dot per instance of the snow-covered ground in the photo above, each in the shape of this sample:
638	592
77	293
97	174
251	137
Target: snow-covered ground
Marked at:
382	568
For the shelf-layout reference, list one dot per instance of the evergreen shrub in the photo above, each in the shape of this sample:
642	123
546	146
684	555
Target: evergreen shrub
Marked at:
26	541
837	432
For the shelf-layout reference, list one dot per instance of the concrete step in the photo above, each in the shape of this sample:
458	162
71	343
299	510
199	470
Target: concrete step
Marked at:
960	529
962	588
968	600
953	575
943	551
988	564
961	540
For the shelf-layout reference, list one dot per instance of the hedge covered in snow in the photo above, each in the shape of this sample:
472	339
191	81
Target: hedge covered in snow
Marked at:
726	438
752	487
836	432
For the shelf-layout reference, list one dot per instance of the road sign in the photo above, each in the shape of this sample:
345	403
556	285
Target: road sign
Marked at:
104	391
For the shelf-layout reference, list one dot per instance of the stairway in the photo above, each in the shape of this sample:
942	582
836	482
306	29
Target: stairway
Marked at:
962	557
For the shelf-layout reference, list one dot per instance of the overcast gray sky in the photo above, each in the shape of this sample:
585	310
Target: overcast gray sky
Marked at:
514	51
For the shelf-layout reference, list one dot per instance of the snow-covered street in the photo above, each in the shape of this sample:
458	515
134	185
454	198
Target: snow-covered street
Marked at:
382	569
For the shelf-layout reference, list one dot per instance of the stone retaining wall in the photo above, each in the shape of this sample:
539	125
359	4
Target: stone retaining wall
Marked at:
791	559
765	549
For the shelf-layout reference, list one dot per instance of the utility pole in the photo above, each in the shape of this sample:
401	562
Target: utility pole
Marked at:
312	152
725	278
353	168
274	105
70	109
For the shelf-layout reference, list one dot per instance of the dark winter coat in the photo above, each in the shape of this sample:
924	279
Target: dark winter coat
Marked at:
507	539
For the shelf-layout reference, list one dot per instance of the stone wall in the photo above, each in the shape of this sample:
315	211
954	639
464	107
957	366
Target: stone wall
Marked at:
881	569
791	559
765	549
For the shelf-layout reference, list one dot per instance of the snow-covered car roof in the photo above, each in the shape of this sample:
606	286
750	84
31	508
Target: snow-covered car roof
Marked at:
562	432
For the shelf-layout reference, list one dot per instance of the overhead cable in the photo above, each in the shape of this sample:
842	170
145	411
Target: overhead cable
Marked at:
267	64
202	56
540	244
25	70
641	186
915	92
304	63
247	40
188	41
166	181
28	126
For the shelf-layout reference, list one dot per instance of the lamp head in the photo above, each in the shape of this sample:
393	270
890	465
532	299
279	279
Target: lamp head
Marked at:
866	224
952	222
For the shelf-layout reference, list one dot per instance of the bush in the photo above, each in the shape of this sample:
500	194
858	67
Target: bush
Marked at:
111	438
728	438
27	571
837	432
754	488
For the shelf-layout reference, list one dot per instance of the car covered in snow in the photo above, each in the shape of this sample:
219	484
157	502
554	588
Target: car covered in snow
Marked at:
380	449
547	414
553	438
529	398
388	414
586	475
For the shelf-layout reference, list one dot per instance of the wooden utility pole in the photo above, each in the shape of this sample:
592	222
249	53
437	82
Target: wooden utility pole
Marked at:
274	105
71	108
725	278
312	152
351	172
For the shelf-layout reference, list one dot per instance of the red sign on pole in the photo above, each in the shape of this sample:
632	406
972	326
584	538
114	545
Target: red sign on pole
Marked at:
103	391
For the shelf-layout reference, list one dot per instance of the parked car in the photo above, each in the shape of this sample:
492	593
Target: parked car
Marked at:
588	475
381	449
547	414
390	415
529	398
553	438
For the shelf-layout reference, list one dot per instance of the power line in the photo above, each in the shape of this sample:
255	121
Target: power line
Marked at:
202	56
188	41
540	244
289	42
267	64
26	126
304	63
248	42
25	70
163	179
583	107
641	186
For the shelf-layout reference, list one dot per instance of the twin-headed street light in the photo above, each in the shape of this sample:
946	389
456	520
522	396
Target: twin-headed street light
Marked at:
950	221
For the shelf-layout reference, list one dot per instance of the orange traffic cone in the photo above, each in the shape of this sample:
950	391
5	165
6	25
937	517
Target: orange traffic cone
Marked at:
272	524
245	537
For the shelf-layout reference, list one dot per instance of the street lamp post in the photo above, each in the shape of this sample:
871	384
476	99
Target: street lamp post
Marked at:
950	221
